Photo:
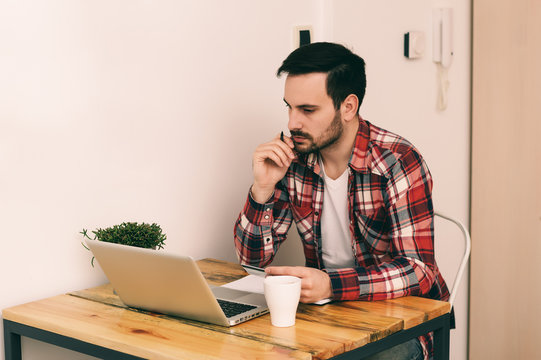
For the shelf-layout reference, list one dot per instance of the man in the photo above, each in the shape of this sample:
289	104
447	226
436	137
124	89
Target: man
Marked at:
360	196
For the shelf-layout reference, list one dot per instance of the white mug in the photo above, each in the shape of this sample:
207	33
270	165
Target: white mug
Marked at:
282	294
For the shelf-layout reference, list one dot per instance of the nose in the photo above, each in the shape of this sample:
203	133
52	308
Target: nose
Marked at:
294	120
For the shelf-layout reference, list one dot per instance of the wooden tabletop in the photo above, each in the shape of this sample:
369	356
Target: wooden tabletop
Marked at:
97	316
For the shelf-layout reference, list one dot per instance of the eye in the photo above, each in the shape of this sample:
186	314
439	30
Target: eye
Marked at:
308	111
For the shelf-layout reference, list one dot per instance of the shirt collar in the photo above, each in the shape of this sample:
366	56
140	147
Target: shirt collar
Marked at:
358	160
359	156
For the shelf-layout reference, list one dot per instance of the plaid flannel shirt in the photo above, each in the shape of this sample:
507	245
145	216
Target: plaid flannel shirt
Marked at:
391	221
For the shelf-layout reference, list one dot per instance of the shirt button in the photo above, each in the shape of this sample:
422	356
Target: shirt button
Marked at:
267	209
267	239
267	217
317	213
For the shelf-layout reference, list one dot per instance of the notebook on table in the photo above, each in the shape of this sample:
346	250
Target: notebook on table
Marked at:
172	284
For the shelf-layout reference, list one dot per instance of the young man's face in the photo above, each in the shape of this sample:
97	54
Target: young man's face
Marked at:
313	121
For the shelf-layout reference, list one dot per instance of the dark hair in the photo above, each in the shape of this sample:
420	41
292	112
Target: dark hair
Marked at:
345	70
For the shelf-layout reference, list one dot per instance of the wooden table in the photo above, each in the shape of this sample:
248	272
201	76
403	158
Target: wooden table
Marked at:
95	322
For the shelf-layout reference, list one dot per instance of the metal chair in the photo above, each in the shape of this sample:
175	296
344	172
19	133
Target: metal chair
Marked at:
465	257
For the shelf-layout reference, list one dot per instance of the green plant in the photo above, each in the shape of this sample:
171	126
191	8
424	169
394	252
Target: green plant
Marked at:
130	233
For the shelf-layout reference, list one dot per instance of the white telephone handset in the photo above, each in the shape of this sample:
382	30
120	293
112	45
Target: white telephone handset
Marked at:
442	49
442	36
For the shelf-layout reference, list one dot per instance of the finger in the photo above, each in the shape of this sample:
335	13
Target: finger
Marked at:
277	270
287	145
285	142
278	146
274	153
288	141
269	153
282	146
285	270
306	297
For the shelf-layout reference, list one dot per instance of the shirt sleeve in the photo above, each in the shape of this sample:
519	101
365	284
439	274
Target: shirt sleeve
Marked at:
409	266
261	228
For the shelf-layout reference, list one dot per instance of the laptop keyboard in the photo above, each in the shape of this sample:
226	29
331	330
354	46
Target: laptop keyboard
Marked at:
232	308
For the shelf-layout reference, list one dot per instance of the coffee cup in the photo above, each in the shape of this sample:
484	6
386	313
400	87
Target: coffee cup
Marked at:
282	294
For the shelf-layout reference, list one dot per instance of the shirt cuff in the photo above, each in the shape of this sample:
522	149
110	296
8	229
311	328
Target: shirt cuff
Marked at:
257	213
345	284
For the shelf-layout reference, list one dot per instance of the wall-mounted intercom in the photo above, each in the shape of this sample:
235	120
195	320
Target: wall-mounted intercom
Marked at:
442	36
442	49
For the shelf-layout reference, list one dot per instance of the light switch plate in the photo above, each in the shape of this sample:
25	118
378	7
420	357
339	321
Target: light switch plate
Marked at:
414	44
297	35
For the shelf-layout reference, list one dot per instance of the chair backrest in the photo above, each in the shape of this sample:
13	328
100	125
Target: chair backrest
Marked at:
465	257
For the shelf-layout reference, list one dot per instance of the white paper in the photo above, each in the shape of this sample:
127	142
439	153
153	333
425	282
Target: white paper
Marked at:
254	283
322	302
250	283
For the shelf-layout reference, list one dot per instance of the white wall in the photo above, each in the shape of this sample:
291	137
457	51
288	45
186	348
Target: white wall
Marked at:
115	111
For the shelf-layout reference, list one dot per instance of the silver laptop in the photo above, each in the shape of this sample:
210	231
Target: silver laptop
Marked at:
172	284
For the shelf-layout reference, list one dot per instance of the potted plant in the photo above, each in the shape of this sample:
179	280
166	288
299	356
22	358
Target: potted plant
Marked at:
130	233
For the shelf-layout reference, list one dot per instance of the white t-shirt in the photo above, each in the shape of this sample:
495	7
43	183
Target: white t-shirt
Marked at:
336	237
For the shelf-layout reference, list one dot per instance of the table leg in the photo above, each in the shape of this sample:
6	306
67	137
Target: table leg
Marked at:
12	343
441	342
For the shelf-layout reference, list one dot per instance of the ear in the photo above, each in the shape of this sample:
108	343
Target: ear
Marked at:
348	109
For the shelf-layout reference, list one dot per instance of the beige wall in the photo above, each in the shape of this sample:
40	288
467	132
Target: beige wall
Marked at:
117	110
506	181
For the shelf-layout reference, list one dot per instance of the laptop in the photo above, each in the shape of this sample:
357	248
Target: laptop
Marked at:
171	284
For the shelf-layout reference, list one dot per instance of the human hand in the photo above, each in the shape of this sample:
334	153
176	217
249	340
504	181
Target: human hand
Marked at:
315	284
270	162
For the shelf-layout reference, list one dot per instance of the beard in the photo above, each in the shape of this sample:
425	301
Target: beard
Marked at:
329	137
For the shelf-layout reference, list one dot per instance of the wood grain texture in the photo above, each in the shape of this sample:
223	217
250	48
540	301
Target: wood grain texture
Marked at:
143	335
412	310
329	338
97	315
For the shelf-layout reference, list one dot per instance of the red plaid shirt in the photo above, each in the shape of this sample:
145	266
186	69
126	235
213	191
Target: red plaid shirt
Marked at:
391	220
